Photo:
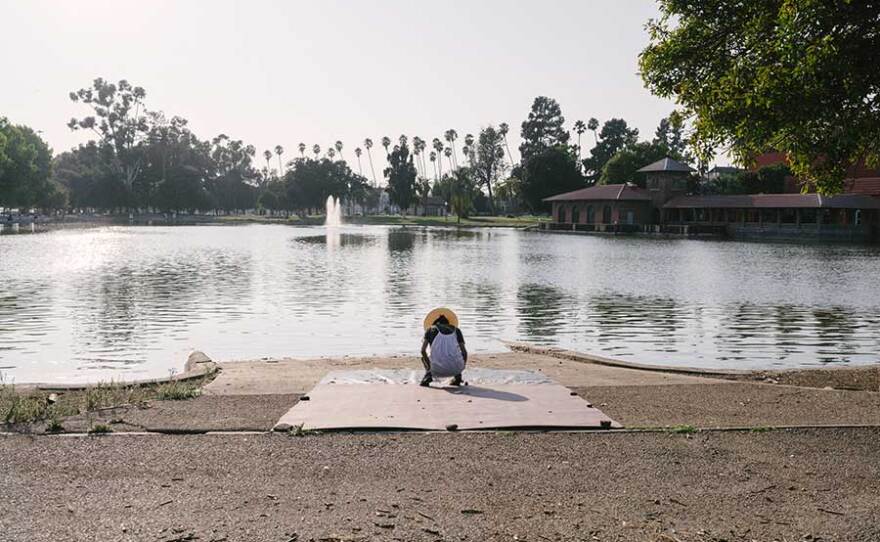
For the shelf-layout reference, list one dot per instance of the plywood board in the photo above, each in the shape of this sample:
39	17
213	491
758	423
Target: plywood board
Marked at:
387	400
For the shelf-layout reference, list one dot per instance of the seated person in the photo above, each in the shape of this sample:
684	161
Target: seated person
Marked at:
448	355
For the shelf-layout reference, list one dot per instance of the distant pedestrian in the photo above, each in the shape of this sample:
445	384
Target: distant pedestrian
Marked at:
448	355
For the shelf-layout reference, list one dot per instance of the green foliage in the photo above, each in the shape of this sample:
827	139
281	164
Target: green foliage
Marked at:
176	390
544	129
401	174
119	120
797	76
623	166
100	429
615	136
682	429
25	165
767	180
309	181
488	161
551	172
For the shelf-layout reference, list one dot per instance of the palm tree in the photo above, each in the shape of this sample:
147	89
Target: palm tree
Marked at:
331	153
593	125
368	144
580	128
450	136
438	147
416	152
503	128
357	152
267	155
317	150
302	149
433	156
386	141
403	140
422	146
279	150
338	146
447	152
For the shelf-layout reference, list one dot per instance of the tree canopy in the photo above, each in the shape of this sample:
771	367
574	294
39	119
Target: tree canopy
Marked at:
543	129
615	136
797	76
553	171
25	162
401	175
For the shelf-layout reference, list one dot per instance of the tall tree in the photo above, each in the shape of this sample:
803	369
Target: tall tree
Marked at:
433	157
302	150
438	149
25	166
279	150
503	129
267	154
488	163
553	171
615	136
338	146
357	153
451	136
579	128
386	142
543	129
593	125
118	121
368	144
317	150
401	174
797	76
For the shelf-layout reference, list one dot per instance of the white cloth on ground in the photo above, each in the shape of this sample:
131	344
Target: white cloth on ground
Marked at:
446	358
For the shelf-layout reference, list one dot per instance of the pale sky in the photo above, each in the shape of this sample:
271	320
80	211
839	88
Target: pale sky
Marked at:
276	72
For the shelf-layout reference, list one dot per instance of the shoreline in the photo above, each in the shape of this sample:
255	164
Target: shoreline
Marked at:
864	377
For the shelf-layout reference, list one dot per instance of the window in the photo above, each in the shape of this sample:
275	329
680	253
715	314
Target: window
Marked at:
653	183
561	217
606	214
591	214
575	215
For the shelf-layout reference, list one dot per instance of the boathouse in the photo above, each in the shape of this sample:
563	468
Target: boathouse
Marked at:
663	206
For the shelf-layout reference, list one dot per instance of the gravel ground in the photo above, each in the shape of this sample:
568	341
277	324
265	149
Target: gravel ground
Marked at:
733	405
710	486
204	413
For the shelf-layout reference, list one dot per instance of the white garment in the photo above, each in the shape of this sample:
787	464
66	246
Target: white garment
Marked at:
446	358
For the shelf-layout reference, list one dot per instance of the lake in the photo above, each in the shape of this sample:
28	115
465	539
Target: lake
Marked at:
131	302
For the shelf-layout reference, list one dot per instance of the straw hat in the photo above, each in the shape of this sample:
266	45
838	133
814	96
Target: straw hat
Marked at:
437	313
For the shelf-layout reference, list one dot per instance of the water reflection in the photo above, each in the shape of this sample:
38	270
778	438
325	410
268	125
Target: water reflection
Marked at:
132	302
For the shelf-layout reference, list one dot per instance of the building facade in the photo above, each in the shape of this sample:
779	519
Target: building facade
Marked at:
664	207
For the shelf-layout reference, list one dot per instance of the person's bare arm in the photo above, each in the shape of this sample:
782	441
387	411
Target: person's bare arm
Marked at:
463	351
425	361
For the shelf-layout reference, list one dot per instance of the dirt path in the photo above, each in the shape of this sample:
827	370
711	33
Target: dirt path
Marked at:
792	485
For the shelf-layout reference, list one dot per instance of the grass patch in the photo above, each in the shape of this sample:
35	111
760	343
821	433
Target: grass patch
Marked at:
100	429
177	391
682	429
22	407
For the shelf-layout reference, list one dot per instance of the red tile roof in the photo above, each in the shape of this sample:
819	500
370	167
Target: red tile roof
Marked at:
868	186
775	201
604	192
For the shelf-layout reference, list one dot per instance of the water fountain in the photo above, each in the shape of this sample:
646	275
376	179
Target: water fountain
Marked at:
334	212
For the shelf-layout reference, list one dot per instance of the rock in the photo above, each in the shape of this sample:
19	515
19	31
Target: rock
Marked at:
194	359
452	427
283	427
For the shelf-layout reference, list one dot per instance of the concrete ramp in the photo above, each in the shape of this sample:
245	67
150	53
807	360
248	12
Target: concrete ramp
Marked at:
389	399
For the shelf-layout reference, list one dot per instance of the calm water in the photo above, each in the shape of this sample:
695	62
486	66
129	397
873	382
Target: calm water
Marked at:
131	302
